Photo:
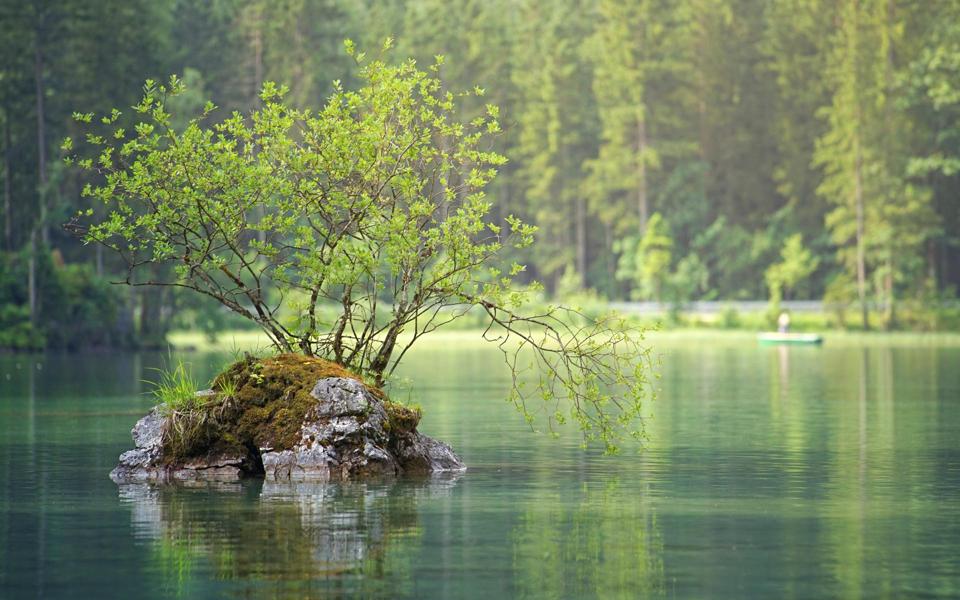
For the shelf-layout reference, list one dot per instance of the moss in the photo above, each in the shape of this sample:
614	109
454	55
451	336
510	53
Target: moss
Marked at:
270	399
400	418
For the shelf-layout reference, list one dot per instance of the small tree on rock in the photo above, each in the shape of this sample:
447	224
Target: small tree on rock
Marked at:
373	206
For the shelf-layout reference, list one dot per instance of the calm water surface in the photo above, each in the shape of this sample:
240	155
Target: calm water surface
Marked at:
770	473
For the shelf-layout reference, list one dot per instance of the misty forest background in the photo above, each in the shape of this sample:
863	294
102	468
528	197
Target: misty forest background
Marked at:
669	150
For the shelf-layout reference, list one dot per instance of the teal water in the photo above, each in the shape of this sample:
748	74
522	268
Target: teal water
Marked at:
769	473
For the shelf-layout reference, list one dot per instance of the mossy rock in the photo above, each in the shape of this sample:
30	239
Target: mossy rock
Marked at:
270	399
284	417
400	418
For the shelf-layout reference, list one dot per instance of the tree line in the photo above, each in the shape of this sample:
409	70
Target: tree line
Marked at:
671	150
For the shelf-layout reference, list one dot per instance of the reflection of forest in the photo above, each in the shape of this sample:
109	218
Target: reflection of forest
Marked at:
813	473
280	540
603	542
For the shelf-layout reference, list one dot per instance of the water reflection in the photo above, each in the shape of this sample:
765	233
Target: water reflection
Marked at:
281	540
601	542
811	473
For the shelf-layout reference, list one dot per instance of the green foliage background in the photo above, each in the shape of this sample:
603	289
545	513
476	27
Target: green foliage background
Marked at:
741	123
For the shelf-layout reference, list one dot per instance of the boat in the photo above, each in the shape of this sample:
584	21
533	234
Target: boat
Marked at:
767	339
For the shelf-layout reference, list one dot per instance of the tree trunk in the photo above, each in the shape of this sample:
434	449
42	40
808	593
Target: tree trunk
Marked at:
858	180
608	261
889	317
7	189
642	202
167	309
380	362
889	133
444	147
861	261
41	137
40	226
146	317
152	334
700	84
256	44
32	277
582	241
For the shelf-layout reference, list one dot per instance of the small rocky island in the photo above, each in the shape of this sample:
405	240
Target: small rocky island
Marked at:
286	418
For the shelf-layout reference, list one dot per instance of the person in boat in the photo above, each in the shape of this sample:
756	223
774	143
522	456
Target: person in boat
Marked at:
783	322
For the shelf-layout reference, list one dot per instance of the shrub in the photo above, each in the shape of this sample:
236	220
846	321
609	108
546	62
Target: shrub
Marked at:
374	204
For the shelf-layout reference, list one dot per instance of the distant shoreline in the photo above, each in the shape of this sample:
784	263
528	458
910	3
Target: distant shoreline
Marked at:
249	340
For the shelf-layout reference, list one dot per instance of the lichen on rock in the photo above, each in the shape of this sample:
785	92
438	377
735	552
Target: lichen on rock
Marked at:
288	417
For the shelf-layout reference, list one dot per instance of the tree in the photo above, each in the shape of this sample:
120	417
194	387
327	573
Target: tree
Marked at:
639	52
735	104
554	138
795	266
797	52
842	151
881	220
931	99
286	212
648	264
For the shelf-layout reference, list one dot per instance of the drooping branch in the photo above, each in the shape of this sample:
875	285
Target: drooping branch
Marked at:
351	233
592	371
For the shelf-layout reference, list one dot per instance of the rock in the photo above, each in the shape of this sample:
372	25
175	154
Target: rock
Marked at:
141	463
146	462
421	454
347	434
338	396
342	437
148	432
220	466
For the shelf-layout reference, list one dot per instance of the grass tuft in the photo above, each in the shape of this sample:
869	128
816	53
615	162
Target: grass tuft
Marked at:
176	390
227	386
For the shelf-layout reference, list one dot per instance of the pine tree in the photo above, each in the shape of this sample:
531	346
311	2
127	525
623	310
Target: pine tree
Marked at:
844	151
881	220
554	121
796	51
639	52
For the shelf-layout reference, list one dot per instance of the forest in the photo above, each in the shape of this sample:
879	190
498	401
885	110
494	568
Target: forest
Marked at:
667	150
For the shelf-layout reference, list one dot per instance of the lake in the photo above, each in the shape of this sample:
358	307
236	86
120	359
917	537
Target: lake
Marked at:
770	472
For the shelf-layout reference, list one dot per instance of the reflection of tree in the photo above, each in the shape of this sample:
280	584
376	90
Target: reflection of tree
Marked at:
270	540
603	543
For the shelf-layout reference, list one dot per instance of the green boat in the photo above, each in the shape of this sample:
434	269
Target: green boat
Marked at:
767	339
